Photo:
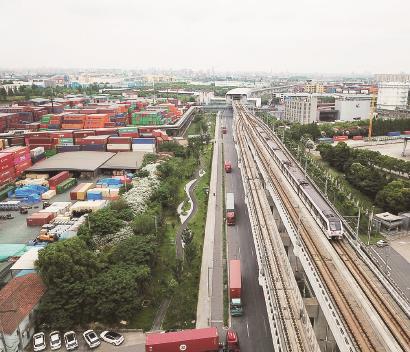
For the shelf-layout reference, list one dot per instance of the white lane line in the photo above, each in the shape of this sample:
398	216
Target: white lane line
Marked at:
247	328
264	324
239	252
253	254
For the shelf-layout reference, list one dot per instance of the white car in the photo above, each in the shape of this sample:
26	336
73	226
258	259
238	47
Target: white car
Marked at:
70	340
55	340
39	342
91	338
112	337
381	243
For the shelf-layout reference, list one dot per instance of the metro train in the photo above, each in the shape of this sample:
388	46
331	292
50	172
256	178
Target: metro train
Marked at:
324	215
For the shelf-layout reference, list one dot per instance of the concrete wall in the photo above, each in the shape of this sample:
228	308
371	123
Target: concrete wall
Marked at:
353	109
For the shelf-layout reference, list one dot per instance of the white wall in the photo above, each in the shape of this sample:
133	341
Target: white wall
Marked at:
352	109
392	95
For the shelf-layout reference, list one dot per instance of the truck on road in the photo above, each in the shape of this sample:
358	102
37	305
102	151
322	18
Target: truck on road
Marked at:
228	166
235	288
230	209
194	340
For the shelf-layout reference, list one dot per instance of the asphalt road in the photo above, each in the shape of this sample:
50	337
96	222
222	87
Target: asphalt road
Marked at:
394	265
253	327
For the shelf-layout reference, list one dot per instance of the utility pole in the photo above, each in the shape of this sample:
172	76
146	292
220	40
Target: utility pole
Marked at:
357	226
369	227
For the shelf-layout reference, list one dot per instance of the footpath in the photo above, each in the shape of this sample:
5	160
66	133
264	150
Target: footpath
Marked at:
210	297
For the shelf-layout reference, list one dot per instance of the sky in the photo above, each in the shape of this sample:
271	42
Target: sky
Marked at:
295	36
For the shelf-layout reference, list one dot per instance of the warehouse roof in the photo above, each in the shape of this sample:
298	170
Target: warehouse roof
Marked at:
27	260
125	161
73	161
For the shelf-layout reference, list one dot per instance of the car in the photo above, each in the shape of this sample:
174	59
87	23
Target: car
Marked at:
381	243
91	338
55	340
112	337
70	340
39	341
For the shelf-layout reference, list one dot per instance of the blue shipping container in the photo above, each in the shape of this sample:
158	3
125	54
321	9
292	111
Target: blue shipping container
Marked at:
143	141
391	134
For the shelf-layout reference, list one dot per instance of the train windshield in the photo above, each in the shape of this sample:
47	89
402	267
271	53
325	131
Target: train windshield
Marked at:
335	226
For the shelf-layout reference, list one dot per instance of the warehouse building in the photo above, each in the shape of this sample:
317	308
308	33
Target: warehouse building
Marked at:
352	107
393	95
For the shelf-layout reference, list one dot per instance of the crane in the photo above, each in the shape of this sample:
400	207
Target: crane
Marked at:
371	114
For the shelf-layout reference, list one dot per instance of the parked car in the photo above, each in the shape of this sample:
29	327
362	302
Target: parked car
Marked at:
112	337
91	338
39	342
55	340
381	243
70	340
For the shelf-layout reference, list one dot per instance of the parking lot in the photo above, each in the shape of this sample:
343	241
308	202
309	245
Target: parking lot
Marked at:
134	341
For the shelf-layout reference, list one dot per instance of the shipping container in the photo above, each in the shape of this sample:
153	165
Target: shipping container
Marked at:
65	185
57	179
194	340
39	219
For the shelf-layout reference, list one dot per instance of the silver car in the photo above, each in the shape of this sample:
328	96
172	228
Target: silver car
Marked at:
70	340
39	342
55	340
91	338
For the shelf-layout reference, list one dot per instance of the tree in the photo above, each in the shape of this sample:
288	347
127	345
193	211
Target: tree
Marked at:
134	251
117	293
190	251
395	197
104	222
143	224
122	210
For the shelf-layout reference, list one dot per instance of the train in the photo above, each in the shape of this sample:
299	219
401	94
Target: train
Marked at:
323	213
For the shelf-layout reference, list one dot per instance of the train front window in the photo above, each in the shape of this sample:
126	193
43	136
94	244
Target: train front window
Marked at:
335	226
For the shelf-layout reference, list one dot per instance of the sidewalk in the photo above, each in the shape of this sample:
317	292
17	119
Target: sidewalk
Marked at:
203	314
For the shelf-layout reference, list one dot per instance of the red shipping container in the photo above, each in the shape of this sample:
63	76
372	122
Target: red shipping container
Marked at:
357	138
119	140
195	340
17	151
57	179
129	134
39	219
21	159
7	175
82	134
20	168
106	131
6	158
340	138
406	132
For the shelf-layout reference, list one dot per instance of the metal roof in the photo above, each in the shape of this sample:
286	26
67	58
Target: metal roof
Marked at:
125	161
73	161
240	91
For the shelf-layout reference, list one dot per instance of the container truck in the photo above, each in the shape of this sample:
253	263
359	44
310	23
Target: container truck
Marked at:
194	340
224	130
230	209
228	166
235	288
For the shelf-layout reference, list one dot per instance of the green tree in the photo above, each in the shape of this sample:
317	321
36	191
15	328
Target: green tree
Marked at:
395	197
134	251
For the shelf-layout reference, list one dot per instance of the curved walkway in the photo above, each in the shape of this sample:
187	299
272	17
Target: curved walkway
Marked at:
189	189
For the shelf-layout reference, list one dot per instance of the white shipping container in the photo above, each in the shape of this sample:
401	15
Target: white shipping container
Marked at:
36	151
143	147
88	205
124	147
49	194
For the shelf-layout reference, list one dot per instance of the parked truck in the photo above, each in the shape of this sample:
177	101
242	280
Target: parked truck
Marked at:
230	209
224	130
194	340
228	166
235	288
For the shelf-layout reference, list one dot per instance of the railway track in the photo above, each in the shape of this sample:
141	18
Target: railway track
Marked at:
362	332
292	328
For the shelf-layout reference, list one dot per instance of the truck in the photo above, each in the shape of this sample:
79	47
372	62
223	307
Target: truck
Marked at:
193	340
235	288
228	166
230	209
224	130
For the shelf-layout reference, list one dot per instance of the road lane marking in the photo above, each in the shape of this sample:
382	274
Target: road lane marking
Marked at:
247	328
264	324
253	254
239	252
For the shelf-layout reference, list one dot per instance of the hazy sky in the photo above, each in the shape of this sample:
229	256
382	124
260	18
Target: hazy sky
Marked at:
326	36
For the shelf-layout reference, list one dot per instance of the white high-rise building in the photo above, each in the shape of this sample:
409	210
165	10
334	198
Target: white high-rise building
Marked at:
393	95
302	109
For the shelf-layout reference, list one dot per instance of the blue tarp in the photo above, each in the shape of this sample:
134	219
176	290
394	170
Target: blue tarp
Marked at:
10	250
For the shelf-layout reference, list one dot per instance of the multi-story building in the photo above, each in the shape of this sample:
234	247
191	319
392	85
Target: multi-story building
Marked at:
314	88
301	108
352	107
393	95
391	77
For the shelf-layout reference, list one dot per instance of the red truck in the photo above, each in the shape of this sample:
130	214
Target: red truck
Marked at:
235	288
194	340
228	166
230	209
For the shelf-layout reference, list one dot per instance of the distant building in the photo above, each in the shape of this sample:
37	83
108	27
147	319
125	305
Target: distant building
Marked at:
301	108
18	301
352	107
393	77
314	88
393	95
